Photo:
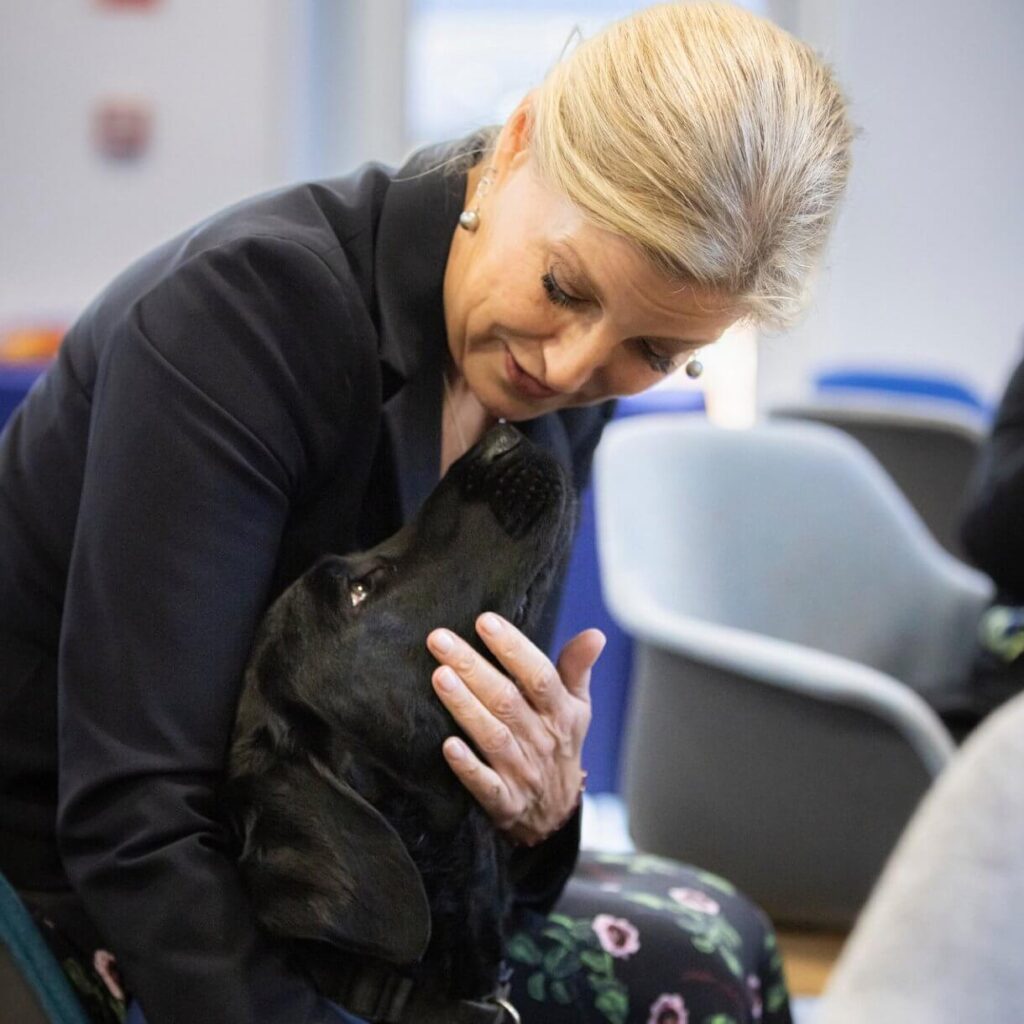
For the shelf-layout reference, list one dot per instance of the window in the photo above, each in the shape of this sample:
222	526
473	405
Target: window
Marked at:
469	63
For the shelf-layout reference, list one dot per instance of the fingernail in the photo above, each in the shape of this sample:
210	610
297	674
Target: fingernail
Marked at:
447	679
456	750
490	623
441	641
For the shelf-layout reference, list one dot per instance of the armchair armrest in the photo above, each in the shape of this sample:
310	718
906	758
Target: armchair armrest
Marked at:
787	665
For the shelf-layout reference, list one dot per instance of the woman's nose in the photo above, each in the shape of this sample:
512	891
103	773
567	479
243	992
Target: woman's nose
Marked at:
571	359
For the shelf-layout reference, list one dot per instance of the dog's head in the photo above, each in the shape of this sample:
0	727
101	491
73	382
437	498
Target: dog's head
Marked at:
338	720
492	536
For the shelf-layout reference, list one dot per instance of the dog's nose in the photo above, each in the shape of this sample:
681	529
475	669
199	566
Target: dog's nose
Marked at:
498	440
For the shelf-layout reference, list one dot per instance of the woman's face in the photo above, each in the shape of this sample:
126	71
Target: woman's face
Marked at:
544	310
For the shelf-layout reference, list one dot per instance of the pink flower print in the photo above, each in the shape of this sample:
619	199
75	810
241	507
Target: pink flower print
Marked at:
668	1009
616	935
756	1004
694	899
105	966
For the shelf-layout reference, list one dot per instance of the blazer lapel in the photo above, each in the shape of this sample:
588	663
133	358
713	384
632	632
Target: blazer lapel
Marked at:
419	215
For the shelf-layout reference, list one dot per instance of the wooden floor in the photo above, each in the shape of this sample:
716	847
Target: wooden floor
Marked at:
809	957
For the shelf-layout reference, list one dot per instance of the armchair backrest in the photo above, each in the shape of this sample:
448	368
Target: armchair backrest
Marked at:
929	453
785	529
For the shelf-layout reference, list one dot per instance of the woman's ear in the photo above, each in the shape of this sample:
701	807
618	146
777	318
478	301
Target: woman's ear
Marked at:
513	143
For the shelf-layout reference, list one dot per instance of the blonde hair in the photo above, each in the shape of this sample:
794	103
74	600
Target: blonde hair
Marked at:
710	138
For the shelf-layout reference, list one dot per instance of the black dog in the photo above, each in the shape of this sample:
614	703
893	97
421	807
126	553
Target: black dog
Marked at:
359	846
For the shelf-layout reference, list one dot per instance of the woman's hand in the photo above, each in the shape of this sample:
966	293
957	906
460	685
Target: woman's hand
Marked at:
527	726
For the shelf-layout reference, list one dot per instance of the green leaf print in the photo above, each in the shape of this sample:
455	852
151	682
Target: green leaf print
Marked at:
567	958
646	899
640	863
559	935
561	962
717	882
521	947
731	961
694	922
720	1018
560	993
716	936
601	962
725	932
535	986
614	1005
775	996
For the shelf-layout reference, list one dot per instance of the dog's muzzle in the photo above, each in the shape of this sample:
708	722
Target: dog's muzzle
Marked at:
518	488
386	996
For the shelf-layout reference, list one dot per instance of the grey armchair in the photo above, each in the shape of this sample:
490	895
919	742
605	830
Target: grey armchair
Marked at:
929	452
791	613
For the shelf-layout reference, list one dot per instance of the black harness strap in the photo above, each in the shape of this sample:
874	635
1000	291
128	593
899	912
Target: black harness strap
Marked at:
386	996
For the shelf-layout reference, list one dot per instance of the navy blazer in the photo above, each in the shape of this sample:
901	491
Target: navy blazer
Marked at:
258	391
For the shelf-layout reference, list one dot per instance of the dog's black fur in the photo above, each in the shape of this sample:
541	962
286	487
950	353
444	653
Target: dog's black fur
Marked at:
357	842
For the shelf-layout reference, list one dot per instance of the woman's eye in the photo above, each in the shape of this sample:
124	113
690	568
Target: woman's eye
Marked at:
657	361
557	294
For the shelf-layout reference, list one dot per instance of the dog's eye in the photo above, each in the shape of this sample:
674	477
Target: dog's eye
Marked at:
360	589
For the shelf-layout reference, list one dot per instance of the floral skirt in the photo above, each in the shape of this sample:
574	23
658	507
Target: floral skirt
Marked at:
637	939
634	939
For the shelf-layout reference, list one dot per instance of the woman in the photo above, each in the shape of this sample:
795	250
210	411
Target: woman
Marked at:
291	377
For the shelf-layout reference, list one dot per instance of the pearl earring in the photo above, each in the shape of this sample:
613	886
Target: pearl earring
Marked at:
694	367
470	219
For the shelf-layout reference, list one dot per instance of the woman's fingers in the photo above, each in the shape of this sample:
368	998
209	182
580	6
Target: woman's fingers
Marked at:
483	700
526	724
525	662
578	658
493	737
489	788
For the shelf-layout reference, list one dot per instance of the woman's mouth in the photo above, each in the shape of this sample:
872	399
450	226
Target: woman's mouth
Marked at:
526	384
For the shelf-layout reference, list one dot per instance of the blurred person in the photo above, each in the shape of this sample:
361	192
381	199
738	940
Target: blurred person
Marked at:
992	532
291	377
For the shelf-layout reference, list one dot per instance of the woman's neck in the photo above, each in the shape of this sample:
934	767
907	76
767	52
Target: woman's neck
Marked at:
463	419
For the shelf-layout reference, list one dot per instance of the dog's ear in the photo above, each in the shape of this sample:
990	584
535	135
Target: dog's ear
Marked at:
322	863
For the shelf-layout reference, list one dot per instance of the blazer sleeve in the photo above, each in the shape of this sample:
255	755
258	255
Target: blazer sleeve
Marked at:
204	417
993	525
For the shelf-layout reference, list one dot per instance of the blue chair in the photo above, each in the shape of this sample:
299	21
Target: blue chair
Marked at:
582	607
16	379
909	384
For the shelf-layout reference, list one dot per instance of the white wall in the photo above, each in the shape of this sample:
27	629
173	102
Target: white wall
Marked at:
927	267
222	80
